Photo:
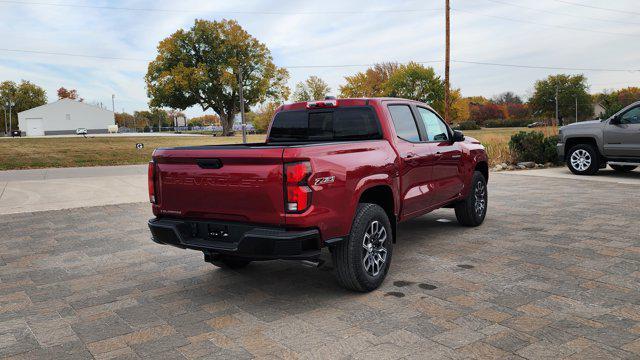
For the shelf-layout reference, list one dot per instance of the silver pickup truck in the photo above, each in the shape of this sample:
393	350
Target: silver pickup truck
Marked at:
589	146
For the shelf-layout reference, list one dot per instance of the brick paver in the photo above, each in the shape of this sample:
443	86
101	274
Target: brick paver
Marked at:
553	273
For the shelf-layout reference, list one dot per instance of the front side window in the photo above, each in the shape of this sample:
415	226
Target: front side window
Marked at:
404	122
632	116
435	127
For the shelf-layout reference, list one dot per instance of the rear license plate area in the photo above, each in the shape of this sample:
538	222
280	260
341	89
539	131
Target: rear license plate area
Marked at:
210	232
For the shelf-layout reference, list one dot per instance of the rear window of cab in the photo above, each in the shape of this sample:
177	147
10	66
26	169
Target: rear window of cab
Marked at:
336	124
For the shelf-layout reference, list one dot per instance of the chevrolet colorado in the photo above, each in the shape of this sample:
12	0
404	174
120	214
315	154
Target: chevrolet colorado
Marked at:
589	146
337	173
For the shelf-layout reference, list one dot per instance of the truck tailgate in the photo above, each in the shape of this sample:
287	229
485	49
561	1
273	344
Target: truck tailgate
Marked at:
234	183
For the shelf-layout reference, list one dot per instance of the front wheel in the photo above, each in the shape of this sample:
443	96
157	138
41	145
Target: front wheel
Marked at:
623	168
583	160
362	260
472	210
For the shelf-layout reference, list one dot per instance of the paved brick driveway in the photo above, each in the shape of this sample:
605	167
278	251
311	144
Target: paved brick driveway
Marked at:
553	273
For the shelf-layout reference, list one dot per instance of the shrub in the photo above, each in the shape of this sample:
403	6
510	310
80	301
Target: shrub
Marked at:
468	125
533	146
550	149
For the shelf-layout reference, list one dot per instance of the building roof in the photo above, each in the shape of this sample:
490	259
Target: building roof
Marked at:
70	101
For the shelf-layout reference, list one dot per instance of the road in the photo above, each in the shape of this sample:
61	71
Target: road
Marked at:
554	272
66	188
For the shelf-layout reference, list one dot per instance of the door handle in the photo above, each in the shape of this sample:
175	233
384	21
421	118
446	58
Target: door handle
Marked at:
410	155
438	154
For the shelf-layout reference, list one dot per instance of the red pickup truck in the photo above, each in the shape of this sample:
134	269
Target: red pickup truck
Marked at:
337	174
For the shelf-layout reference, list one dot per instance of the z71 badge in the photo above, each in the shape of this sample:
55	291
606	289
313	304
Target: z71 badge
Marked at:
324	180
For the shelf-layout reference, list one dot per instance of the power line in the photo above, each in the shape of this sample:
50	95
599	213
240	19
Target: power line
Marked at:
626	12
71	55
341	65
144	9
545	25
350	65
563	14
545	67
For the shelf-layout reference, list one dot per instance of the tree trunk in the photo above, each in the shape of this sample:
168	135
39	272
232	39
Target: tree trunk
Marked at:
227	124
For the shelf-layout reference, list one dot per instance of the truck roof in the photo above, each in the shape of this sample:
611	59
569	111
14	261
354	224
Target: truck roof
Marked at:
340	102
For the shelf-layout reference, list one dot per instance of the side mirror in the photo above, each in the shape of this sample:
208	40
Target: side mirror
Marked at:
615	120
457	136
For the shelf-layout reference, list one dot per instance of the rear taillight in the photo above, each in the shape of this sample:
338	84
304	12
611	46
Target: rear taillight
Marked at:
152	181
298	197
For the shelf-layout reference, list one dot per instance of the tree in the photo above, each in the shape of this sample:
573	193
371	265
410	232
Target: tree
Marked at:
25	96
477	100
142	119
314	88
417	82
507	98
370	83
459	107
569	87
124	119
68	94
517	111
487	111
205	120
262	116
202	66
614	101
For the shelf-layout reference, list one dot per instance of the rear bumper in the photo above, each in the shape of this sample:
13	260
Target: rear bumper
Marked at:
238	239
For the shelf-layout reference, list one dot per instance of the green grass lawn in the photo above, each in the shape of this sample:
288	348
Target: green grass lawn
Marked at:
34	153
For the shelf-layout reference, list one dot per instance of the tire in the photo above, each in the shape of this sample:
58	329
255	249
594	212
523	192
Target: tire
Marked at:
363	259
226	262
623	168
472	210
583	159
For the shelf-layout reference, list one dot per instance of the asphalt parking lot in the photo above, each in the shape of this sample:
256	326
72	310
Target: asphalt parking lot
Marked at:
554	272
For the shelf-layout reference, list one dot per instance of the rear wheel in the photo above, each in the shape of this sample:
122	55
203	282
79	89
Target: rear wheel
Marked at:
226	262
583	159
472	210
623	168
362	260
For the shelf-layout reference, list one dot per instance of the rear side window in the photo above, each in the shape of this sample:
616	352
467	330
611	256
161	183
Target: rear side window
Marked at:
404	123
341	124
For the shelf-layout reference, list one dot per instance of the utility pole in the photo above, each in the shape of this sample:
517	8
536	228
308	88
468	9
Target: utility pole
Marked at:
113	103
557	114
244	128
11	104
447	95
576	108
5	118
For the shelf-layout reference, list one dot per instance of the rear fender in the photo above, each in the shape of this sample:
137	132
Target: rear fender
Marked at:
372	181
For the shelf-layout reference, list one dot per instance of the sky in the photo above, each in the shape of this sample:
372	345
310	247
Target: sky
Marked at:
322	38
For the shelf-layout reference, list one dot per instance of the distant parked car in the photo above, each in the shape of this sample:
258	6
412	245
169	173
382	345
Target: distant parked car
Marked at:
81	131
536	124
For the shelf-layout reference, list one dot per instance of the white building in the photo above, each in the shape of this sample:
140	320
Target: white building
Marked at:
64	117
